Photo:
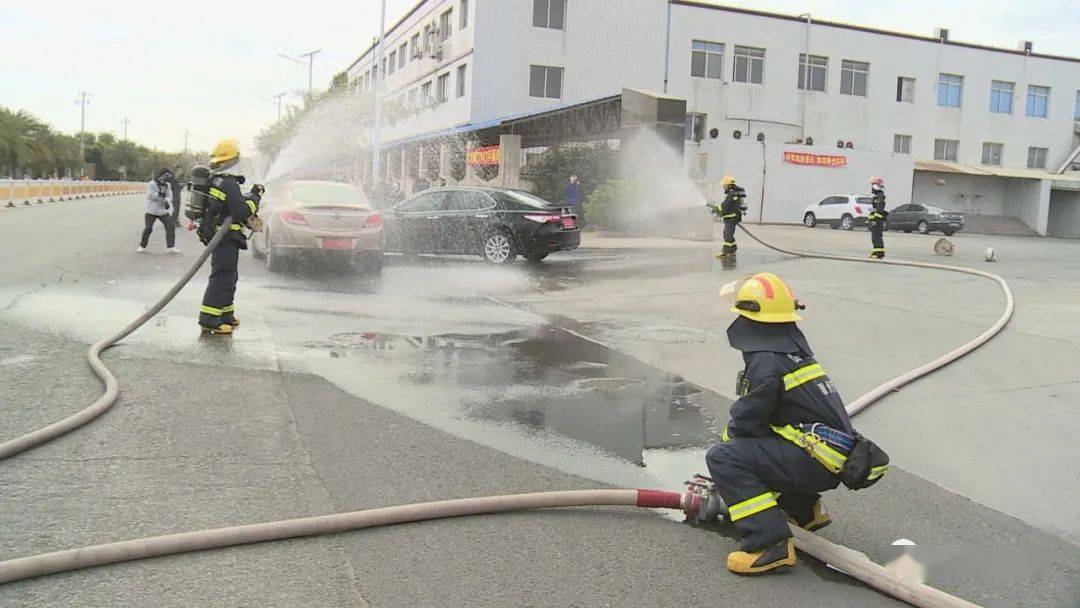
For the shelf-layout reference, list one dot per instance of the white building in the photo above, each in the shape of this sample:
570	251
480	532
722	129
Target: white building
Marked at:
994	124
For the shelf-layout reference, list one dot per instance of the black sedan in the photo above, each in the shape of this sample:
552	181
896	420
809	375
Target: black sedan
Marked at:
925	219
498	224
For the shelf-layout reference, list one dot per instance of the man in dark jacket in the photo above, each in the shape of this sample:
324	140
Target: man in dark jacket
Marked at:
775	456
572	198
218	311
175	185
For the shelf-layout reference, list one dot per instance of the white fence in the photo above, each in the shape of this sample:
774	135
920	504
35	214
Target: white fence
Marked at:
15	192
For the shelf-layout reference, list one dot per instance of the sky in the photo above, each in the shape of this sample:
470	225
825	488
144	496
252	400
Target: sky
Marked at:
211	68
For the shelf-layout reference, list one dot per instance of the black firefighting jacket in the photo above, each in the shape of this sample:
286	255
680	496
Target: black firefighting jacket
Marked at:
731	209
780	388
226	199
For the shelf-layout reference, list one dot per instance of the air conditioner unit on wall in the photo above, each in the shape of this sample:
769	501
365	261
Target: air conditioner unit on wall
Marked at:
436	52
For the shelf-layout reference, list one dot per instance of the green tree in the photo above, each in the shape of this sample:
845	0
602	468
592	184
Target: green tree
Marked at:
594	164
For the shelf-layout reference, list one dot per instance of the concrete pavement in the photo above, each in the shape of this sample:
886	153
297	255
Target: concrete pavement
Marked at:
307	410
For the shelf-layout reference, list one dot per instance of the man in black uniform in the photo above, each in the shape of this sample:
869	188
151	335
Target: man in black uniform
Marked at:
730	211
876	219
218	312
789	435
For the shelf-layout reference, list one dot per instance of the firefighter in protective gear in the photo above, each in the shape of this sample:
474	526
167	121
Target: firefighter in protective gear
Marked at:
767	467
731	212
218	311
877	217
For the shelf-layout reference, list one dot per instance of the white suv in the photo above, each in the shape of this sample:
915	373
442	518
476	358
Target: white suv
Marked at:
839	211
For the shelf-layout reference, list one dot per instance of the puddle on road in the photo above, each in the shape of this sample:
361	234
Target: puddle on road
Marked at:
542	380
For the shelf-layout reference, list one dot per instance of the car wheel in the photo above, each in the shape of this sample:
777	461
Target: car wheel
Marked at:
275	260
922	227
949	232
536	258
809	220
847	222
499	248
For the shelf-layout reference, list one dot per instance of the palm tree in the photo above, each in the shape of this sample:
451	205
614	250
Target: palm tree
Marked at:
17	130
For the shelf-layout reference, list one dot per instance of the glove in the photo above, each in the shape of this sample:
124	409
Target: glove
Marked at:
258	189
255	223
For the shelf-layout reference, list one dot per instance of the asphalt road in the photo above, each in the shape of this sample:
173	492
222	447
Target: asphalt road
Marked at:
343	392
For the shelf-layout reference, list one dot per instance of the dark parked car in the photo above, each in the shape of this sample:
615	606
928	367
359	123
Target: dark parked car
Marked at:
925	219
498	224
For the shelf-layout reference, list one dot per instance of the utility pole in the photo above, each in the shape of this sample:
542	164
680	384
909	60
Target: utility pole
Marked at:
125	122
806	76
310	66
378	99
185	141
82	102
279	97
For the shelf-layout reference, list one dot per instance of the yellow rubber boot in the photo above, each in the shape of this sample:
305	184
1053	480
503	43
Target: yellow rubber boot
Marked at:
781	555
820	519
220	329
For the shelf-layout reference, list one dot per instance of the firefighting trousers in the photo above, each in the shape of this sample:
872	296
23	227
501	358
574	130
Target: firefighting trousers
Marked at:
763	480
729	237
876	239
217	305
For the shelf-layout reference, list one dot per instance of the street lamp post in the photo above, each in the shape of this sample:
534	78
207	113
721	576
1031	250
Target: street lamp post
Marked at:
310	65
82	102
375	132
278	98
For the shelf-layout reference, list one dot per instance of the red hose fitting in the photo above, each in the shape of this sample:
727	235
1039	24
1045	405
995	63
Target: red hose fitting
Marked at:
659	499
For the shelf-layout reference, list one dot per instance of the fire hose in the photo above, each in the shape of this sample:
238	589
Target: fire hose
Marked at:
698	501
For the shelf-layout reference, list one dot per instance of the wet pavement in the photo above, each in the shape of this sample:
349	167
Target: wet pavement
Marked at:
442	377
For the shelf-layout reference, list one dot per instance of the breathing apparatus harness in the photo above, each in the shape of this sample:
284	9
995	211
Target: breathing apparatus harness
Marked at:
206	204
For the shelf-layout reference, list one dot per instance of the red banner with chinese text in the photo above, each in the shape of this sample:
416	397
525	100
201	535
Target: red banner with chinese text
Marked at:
817	160
484	157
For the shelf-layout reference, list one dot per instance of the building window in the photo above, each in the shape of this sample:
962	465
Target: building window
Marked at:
1037	158
1001	96
464	8
1037	100
412	97
425	94
901	144
945	149
427	38
461	80
853	77
695	127
950	90
549	14
813	73
749	64
414	46
402	51
992	153
1076	109
545	81
393	61
905	89
384	68
442	90
446	26
706	59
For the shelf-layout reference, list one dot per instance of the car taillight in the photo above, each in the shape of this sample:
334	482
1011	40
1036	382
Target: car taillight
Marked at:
858	209
543	218
293	217
373	221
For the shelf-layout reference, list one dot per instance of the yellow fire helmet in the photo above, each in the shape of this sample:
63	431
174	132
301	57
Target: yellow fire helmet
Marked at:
727	180
226	153
767	299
